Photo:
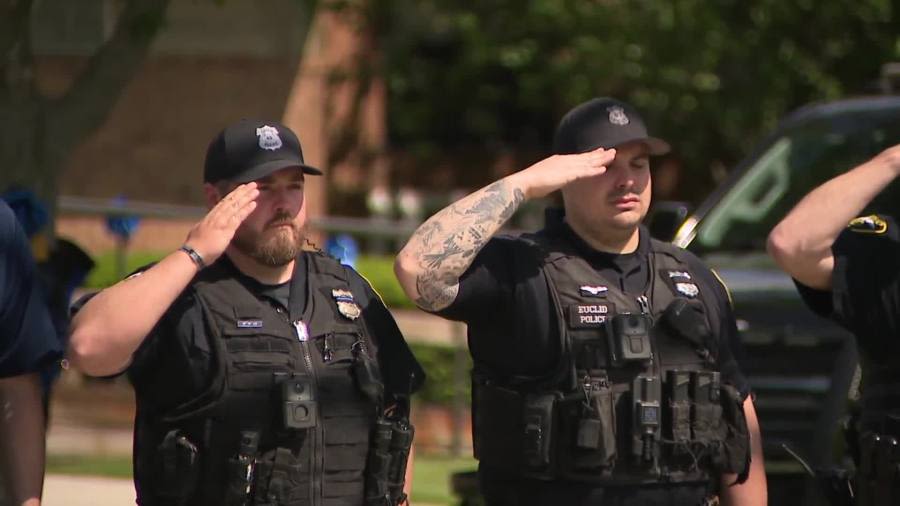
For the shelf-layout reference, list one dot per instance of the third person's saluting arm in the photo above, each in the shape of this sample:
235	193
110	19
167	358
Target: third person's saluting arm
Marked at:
801	243
442	248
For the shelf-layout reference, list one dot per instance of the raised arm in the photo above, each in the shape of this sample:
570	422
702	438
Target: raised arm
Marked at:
111	326
801	243
442	248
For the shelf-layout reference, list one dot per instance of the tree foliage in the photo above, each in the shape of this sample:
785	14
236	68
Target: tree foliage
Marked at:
37	132
480	80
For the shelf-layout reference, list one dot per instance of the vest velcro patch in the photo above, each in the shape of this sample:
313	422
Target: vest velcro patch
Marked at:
590	315
249	324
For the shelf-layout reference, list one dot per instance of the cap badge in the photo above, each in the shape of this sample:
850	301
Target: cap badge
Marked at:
268	137
617	116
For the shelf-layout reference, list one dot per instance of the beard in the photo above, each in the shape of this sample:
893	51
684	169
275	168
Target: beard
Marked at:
273	246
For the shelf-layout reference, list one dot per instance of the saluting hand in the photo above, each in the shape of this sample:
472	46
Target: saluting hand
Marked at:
554	172
213	234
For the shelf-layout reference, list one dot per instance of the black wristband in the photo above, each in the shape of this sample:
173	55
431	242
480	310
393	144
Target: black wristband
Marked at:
195	257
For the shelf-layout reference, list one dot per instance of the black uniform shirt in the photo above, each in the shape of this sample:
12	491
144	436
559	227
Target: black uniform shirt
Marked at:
506	277
28	341
172	365
865	293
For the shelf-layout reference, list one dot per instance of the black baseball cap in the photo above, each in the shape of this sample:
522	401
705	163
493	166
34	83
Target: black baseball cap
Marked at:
252	149
603	122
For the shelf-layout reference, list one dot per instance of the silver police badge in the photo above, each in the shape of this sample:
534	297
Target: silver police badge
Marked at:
268	137
687	289
617	116
345	304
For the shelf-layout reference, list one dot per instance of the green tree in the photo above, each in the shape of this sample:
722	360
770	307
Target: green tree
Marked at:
37	132
481	80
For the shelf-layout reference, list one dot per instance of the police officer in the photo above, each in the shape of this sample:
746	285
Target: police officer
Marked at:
602	372
263	373
851	273
28	346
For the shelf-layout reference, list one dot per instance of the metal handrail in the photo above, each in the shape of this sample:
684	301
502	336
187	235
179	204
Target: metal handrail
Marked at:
379	227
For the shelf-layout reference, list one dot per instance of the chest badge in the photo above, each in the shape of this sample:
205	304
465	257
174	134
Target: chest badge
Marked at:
687	289
346	305
593	291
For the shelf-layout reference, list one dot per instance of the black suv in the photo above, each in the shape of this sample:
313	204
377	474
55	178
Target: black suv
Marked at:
801	366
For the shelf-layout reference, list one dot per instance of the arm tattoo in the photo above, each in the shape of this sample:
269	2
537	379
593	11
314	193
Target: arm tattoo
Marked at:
445	245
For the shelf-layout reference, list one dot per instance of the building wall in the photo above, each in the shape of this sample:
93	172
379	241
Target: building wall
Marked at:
211	65
154	141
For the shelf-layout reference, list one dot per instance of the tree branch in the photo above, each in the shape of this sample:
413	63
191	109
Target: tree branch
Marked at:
88	102
15	47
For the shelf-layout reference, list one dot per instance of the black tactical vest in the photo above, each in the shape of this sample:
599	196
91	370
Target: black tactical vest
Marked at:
636	397
285	395
874	435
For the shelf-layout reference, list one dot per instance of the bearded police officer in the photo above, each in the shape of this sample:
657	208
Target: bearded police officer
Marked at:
603	373
851	273
263	373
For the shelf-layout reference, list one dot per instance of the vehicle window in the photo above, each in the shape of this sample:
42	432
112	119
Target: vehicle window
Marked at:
791	167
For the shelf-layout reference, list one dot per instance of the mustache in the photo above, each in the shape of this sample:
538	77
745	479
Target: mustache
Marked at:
280	219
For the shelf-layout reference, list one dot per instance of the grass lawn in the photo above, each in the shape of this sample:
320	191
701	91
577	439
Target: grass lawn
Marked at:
431	477
431	474
111	467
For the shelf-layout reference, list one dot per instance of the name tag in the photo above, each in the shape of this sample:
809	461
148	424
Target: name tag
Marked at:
589	315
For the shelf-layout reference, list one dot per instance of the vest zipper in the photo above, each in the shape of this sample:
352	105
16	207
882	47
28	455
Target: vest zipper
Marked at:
316	433
644	304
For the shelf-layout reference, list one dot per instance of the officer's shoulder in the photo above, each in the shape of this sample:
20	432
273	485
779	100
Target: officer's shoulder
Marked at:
693	262
679	253
9	227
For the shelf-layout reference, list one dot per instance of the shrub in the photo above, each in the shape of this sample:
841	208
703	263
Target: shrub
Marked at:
439	362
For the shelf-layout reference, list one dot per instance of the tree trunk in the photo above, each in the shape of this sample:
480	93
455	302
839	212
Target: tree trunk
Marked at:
36	133
28	156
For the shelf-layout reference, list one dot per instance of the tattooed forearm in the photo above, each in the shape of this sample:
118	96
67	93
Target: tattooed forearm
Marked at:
445	245
435	293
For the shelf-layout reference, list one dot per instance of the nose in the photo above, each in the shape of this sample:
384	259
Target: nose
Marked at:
624	180
280	200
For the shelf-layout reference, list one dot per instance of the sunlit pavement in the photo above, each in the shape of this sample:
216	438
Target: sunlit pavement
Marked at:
60	490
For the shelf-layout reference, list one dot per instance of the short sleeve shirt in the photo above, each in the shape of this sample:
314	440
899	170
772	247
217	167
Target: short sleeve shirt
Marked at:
172	365
28	341
865	293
